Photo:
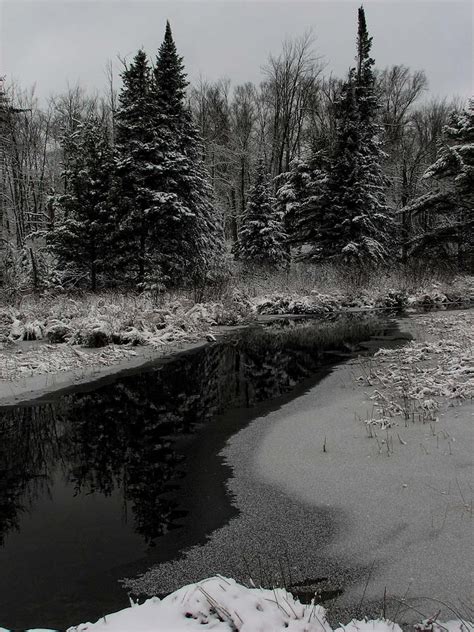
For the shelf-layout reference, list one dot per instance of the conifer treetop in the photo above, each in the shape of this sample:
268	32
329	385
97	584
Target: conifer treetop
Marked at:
364	77
364	43
136	84
170	76
136	75
136	103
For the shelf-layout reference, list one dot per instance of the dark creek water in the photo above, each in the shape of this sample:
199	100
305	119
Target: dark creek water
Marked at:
100	484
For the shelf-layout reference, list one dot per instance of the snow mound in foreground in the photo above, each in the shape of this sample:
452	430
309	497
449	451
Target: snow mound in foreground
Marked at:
222	605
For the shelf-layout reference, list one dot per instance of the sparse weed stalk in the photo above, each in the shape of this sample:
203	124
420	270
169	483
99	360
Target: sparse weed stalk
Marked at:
365	366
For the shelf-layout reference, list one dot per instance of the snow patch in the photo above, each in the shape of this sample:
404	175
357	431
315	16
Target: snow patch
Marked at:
223	605
220	605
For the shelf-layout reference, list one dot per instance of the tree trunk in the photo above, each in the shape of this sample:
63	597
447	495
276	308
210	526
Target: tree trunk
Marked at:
141	256
34	270
234	231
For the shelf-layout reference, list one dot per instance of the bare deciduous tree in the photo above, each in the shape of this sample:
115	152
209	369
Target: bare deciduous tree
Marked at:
291	81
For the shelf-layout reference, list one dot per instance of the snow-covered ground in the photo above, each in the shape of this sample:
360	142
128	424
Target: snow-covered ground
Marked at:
109	327
118	323
222	605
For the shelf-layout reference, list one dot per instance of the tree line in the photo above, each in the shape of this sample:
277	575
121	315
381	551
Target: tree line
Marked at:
149	186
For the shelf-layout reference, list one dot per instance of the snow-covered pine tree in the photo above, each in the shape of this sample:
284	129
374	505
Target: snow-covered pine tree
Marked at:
445	216
356	219
300	199
380	214
292	191
364	78
82	233
188	233
171	82
261	235
137	169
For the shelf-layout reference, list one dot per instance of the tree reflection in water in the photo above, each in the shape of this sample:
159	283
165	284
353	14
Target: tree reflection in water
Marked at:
128	435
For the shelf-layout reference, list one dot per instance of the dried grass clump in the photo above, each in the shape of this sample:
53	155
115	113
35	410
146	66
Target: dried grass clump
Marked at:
416	381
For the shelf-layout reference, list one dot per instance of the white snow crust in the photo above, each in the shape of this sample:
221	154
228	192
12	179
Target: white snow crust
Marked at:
223	605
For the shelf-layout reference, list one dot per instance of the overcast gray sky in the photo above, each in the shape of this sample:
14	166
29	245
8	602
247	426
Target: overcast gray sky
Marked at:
51	43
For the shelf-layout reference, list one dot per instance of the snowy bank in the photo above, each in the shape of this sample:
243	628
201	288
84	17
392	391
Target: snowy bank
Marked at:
46	346
434	295
66	328
222	605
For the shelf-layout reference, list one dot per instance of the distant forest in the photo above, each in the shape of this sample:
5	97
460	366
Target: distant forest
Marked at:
157	183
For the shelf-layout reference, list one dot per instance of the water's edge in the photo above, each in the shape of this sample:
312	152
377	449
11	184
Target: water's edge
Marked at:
40	387
203	448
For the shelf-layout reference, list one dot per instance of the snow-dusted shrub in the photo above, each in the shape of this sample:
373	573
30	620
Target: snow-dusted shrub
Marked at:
316	304
393	299
29	330
428	300
6	320
92	334
130	337
234	308
33	330
17	330
58	332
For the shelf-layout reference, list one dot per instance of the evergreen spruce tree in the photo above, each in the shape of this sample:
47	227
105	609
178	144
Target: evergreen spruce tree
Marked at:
138	166
291	195
171	82
261	235
83	227
445	215
188	233
364	79
300	199
381	216
356	218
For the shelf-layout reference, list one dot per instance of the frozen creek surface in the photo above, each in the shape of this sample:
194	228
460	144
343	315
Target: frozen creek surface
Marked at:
324	507
407	513
102	484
